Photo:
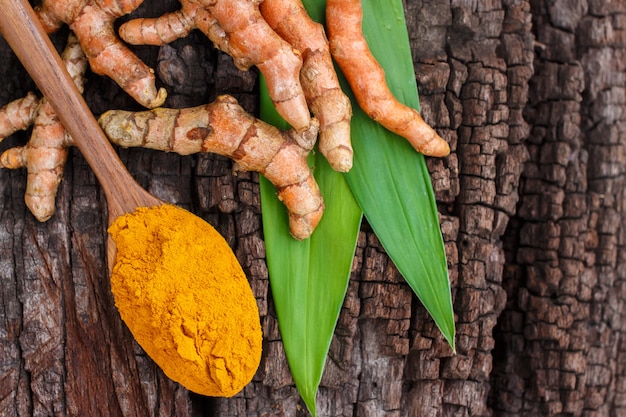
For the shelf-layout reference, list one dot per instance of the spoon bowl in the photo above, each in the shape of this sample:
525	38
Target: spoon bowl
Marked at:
178	307
22	30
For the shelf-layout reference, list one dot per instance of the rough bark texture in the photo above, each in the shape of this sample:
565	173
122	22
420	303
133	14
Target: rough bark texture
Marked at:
560	349
531	96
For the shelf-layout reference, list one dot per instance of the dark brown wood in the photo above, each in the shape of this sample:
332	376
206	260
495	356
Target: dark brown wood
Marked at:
21	29
530	95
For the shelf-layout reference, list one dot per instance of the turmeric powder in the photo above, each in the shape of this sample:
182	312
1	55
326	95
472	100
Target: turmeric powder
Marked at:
183	295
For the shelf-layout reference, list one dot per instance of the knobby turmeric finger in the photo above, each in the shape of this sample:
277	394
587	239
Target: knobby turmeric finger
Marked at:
237	28
318	77
185	298
367	79
45	154
92	21
18	114
168	27
163	29
225	128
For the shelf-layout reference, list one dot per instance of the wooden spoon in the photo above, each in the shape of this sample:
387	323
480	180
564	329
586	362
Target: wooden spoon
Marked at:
22	30
189	353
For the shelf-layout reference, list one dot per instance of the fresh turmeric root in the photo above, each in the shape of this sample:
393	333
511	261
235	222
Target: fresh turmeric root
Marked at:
367	79
92	22
236	27
221	127
251	36
318	77
18	115
171	26
224	127
45	154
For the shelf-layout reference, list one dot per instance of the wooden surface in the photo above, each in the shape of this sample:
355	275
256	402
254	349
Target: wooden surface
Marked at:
530	95
28	40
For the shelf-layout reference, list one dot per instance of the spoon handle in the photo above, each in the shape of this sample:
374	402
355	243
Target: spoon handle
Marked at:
22	30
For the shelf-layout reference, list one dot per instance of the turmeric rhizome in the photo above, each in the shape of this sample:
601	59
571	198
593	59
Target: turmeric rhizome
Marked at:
186	300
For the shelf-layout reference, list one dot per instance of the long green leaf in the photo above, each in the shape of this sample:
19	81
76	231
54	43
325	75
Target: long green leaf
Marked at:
390	180
309	279
391	184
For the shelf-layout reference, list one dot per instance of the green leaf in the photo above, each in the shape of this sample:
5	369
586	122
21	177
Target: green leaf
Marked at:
309	278
392	186
390	180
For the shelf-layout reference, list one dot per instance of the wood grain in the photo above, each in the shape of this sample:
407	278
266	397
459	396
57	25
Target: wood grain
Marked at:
22	30
529	94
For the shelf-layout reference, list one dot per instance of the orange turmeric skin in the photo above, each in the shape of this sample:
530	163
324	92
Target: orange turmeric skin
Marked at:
45	154
18	115
223	127
318	77
236	27
92	22
367	79
170	26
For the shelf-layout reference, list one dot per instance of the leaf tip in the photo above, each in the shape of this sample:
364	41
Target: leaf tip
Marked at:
311	404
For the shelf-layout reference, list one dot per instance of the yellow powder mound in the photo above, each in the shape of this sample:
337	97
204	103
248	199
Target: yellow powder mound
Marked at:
186	300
